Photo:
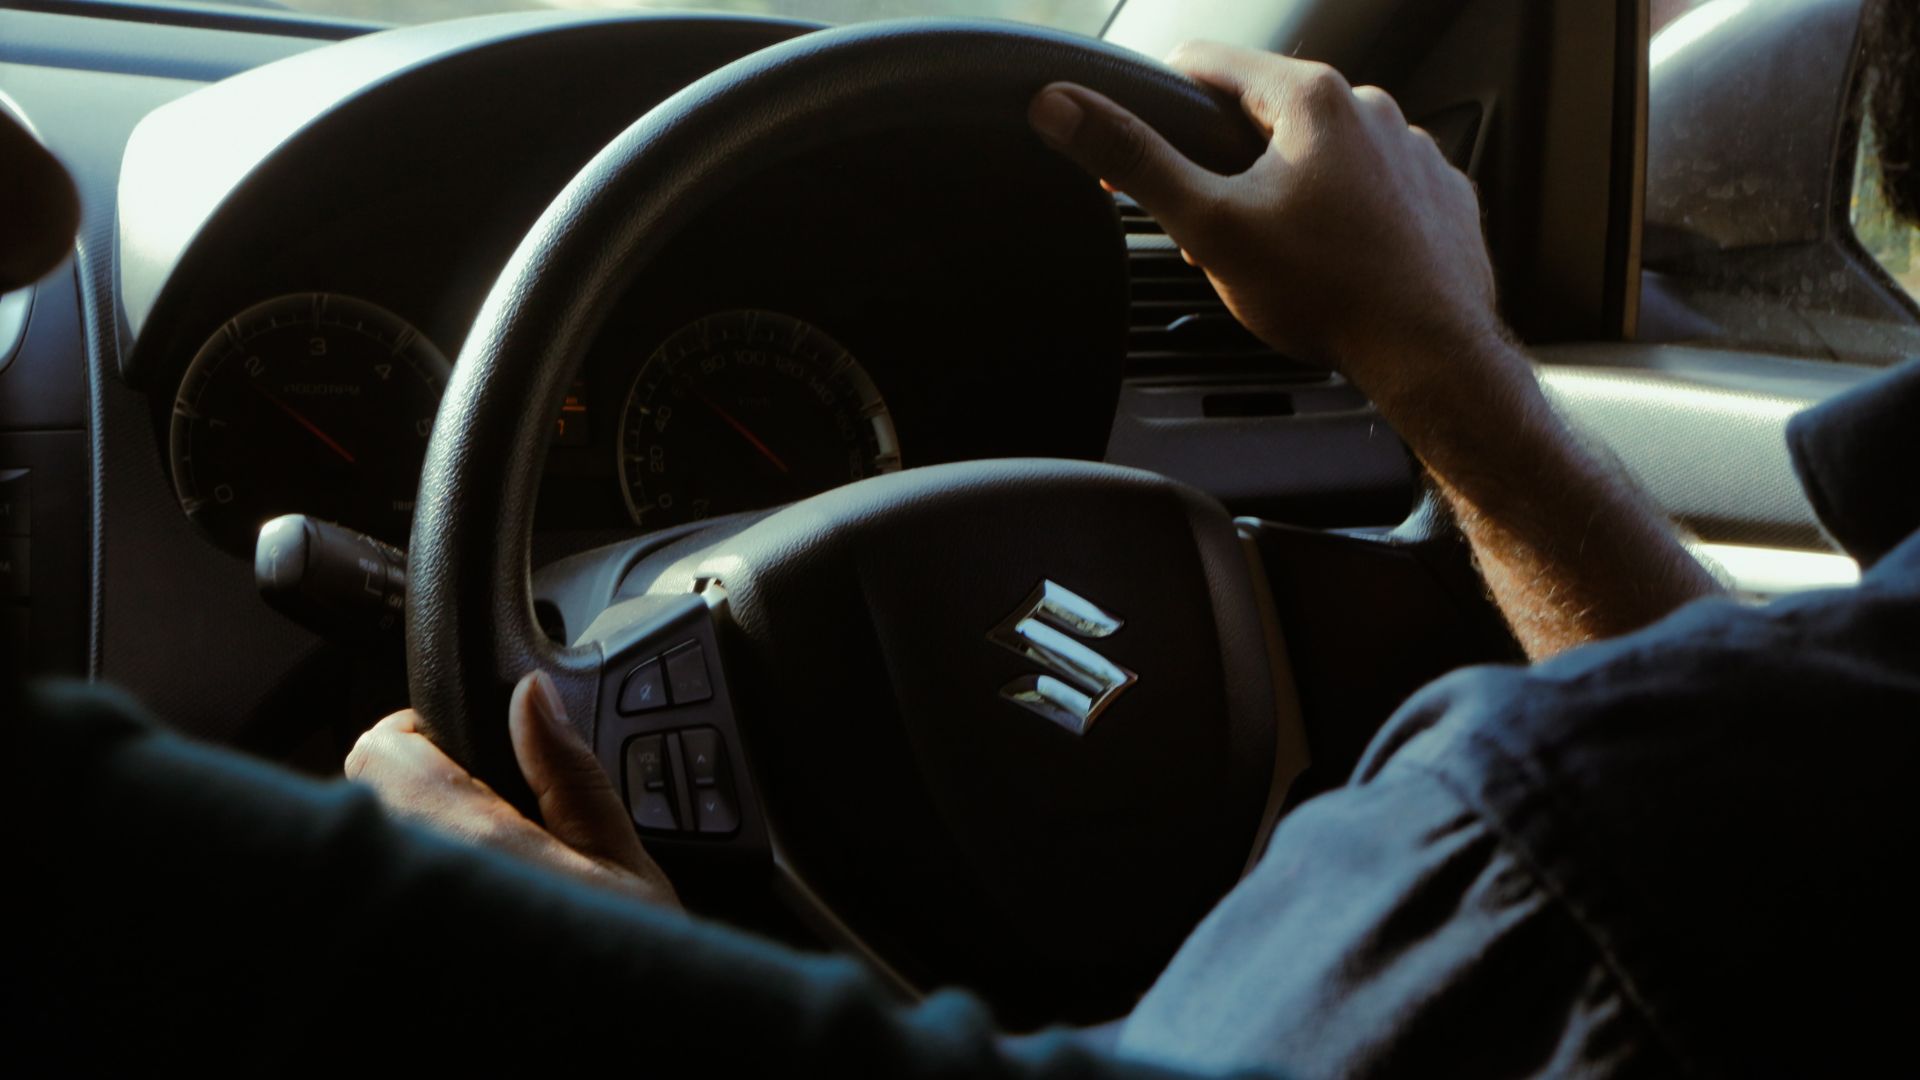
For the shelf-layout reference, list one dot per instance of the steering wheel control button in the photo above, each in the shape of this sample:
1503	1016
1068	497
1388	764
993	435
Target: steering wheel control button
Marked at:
703	752
713	810
649	797
644	690
653	810
687	674
647	763
702	747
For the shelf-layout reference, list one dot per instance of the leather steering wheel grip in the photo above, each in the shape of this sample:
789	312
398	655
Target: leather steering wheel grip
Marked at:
471	630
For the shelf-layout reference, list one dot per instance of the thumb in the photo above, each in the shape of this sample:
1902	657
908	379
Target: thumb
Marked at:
1121	149
577	801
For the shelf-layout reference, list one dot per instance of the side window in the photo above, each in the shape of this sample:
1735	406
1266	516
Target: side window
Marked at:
1891	237
1772	222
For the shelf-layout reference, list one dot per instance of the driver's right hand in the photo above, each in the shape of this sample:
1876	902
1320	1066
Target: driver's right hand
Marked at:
1351	242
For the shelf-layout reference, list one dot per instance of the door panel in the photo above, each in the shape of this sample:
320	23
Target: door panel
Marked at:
1703	432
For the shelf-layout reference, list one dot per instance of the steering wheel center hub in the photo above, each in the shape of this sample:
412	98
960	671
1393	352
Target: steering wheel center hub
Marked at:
1012	684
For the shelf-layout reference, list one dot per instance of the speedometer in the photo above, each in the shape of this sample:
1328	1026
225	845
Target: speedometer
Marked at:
748	409
312	403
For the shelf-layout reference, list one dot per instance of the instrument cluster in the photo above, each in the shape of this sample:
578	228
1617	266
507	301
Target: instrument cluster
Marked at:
322	404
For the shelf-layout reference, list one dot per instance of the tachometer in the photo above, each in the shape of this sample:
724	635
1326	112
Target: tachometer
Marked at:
747	409
310	403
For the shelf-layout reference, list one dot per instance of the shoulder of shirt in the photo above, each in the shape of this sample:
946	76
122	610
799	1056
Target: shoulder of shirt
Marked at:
1610	770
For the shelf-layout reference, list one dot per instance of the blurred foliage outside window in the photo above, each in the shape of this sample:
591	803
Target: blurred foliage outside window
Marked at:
1893	243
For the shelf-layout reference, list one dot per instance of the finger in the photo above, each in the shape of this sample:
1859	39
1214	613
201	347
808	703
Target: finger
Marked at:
1268	85
1255	78
415	778
1122	150
419	783
1379	105
1221	66
395	756
379	749
576	798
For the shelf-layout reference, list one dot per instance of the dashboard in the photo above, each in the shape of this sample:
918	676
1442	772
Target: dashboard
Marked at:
854	311
289	236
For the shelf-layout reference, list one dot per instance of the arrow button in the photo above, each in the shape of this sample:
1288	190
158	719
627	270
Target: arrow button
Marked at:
713	810
703	750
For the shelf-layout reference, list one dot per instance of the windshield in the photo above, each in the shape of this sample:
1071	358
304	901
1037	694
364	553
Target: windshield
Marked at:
1084	16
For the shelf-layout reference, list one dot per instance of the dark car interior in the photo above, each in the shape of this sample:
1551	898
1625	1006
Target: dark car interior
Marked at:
770	383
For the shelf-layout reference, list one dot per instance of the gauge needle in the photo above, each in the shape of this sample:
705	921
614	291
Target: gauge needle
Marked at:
305	423
745	433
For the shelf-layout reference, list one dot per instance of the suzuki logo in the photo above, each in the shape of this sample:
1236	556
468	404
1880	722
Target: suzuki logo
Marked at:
1079	683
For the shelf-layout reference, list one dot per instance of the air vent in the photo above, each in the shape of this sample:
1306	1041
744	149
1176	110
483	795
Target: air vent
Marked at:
1177	324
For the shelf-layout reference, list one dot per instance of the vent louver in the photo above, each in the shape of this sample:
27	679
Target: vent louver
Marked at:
1177	323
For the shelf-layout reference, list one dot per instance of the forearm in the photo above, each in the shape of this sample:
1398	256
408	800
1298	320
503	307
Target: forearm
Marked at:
1354	242
1570	552
211	903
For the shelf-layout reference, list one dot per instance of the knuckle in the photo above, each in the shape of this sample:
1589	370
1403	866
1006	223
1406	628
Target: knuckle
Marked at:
1267	100
363	754
1323	87
394	724
1124	148
574	777
1380	103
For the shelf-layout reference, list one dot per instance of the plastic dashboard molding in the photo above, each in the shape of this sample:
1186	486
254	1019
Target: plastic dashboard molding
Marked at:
187	160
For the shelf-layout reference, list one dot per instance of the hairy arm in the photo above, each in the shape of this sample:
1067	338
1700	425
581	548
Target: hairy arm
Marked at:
1570	552
1353	242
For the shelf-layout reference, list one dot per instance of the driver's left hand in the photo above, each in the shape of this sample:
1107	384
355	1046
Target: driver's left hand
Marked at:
587	834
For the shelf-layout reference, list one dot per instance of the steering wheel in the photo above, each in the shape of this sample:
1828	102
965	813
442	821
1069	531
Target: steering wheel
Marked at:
1011	723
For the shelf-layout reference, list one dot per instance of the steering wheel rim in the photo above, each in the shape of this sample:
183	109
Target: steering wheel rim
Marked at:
471	628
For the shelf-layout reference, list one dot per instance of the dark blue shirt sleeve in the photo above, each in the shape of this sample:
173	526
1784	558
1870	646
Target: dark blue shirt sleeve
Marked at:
180	898
1393	929
1679	851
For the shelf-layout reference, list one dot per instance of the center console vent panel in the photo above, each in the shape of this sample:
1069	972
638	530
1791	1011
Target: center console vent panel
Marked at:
1207	403
1177	323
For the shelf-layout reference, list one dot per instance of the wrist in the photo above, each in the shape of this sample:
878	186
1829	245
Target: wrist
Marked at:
1448	388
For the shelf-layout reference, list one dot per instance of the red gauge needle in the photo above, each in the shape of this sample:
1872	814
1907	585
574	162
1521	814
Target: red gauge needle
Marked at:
745	433
332	445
